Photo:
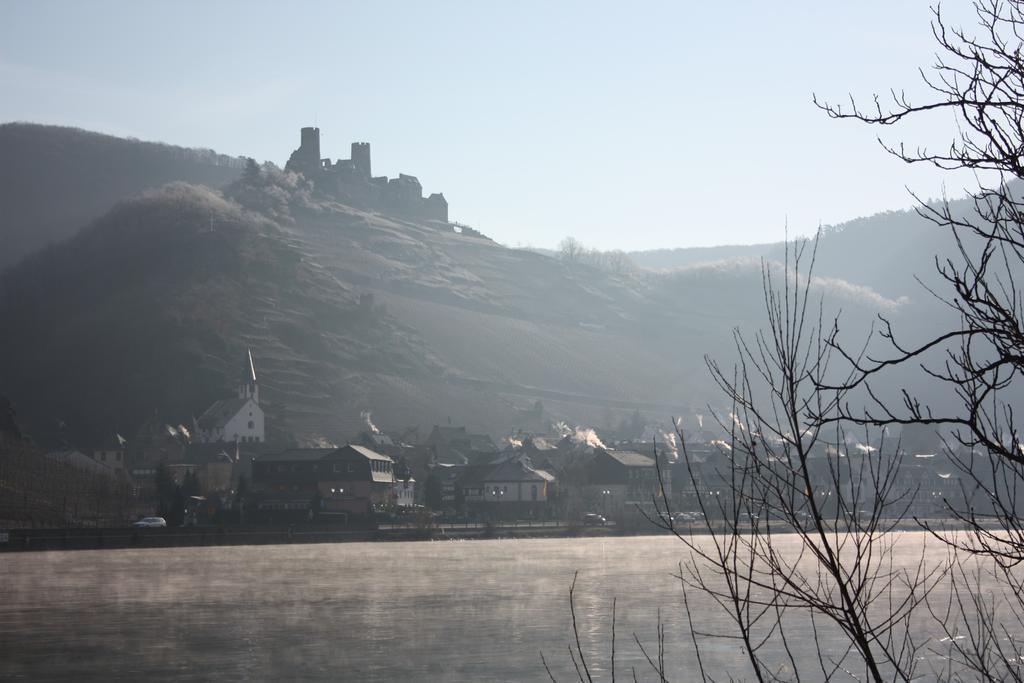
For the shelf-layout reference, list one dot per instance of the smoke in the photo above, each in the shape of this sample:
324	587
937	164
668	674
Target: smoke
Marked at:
700	421
865	449
721	444
581	436
316	441
365	415
513	440
668	442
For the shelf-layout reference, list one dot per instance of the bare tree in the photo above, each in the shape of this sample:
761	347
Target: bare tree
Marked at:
785	475
979	79
570	249
803	537
797	393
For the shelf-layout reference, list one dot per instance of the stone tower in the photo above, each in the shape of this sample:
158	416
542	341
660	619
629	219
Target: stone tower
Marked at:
310	145
361	158
306	159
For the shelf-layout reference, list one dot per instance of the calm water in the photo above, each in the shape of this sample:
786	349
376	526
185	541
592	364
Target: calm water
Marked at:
446	611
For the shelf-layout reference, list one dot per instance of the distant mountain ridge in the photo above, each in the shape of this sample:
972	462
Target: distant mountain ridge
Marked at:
54	180
151	307
668	259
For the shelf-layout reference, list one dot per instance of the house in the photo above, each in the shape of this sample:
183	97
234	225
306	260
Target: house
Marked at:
82	462
212	463
509	487
617	480
352	480
111	452
239	419
403	493
457	446
155	442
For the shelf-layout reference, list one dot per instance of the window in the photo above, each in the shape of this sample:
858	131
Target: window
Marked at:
252	425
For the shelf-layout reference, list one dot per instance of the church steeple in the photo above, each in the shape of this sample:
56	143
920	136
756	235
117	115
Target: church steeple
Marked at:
248	388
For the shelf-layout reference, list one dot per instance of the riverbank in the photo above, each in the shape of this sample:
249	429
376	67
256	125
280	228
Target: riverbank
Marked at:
21	540
24	540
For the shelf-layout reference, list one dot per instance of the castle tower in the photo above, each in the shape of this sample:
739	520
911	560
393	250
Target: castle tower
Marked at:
361	158
306	159
248	388
310	145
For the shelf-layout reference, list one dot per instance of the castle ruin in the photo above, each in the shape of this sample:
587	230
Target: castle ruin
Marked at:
351	182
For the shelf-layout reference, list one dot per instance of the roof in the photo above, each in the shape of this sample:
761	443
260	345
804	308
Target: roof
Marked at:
297	455
447	433
630	458
481	442
80	461
220	412
201	453
512	469
111	442
368	453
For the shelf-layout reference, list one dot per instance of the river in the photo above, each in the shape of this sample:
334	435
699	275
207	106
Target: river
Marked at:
417	611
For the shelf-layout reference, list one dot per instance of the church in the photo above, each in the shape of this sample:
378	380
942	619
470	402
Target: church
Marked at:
238	419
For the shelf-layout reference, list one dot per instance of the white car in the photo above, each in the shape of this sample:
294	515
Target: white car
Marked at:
150	522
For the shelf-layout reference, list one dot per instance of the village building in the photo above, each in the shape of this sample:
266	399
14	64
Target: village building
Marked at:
111	452
509	487
153	443
82	462
351	481
455	445
238	419
403	493
621	481
213	464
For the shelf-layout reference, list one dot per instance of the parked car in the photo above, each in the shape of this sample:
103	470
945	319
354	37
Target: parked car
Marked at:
594	519
150	523
687	517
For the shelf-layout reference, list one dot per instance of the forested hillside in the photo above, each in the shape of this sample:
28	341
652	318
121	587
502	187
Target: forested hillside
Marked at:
55	180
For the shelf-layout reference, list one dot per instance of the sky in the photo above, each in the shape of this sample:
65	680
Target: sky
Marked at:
626	125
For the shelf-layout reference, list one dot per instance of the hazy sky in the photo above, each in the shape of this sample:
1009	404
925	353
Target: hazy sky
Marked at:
627	125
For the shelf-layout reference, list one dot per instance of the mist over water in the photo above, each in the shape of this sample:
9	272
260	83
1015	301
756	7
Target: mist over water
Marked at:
448	610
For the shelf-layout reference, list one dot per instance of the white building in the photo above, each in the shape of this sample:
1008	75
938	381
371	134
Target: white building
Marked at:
238	419
512	480
404	493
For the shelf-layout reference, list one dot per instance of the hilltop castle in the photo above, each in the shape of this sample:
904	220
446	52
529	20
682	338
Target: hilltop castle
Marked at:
351	181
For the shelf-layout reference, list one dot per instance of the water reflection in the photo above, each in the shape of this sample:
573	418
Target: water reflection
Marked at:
454	611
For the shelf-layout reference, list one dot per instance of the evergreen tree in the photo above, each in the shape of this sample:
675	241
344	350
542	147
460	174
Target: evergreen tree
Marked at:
434	494
251	175
165	487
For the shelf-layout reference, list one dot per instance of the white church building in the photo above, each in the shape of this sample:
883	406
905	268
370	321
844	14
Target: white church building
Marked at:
238	419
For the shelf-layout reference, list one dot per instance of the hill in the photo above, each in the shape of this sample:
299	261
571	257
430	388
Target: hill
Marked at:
152	306
55	180
887	252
